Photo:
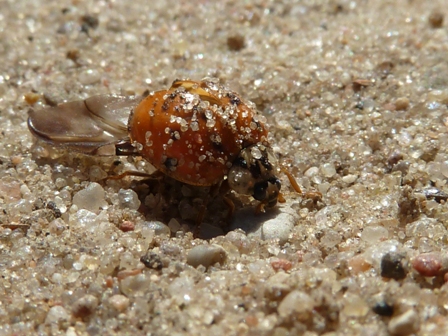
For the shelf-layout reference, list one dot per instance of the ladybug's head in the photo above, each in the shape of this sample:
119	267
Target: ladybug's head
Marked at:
254	173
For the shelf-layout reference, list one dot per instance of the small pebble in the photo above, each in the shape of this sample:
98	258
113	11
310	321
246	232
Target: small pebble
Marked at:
9	190
174	225
51	98
328	170
57	226
394	157
436	19
71	331
56	278
392	266
90	20
127	260
73	54
170	248
402	104
385	68
160	229
295	302
31	98
267	226
276	290
374	234
383	309
281	264
127	226
84	306
439	96
57	314
330	239
181	290
96	173
435	194
119	302
240	240
128	199
404	324
91	198
121	275
186	191
427	264
152	260
279	228
53	206
349	179
89	77
109	282
312	171
236	42
402	166
358	264
206	255
354	306
251	321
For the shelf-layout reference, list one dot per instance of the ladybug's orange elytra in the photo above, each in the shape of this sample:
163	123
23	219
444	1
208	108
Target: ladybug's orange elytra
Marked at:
193	132
199	133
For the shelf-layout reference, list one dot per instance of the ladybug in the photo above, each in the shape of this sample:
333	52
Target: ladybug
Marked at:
199	133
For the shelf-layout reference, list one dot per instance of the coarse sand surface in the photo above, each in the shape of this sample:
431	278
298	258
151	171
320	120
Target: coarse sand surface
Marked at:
355	94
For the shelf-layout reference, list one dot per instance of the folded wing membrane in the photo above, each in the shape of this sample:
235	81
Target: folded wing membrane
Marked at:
86	126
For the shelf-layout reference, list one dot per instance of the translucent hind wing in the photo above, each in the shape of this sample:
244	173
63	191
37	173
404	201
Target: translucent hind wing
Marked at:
84	126
112	110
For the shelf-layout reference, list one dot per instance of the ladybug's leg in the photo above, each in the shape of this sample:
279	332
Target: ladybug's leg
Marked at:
280	198
134	173
199	219
125	148
292	180
314	195
260	208
224	189
213	192
230	207
201	215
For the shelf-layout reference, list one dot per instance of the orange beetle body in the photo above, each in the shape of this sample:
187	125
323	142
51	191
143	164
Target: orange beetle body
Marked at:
199	133
194	131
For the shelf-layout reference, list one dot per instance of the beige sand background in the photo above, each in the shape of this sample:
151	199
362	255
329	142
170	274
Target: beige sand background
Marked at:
356	96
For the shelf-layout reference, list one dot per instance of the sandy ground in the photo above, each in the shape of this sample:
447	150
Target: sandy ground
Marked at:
356	96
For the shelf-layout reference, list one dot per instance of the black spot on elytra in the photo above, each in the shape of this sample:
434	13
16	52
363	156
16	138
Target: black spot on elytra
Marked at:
168	101
218	146
383	309
234	99
392	266
170	163
165	105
